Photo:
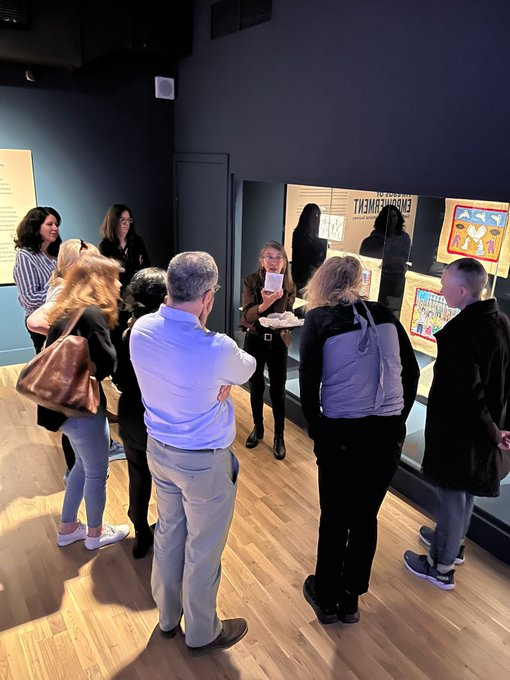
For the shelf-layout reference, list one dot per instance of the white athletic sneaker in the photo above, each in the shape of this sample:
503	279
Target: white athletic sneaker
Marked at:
112	533
79	534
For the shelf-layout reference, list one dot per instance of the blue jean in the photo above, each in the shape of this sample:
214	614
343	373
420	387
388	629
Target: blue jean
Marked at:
453	514
90	439
196	492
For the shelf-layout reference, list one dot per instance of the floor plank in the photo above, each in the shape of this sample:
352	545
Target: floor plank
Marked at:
71	614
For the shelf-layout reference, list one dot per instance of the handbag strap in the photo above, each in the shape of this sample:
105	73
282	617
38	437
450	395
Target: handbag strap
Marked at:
72	322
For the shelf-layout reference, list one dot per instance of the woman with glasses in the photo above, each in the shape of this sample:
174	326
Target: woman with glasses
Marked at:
122	243
266	346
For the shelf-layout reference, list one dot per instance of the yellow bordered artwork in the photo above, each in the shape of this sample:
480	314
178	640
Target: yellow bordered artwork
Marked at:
477	229
424	311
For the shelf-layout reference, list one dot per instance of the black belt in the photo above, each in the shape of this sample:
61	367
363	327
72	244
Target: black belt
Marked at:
268	337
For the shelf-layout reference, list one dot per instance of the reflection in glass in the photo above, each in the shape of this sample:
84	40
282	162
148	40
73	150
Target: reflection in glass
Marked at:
390	242
308	249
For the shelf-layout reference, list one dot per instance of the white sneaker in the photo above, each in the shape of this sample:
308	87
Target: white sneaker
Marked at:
112	533
79	534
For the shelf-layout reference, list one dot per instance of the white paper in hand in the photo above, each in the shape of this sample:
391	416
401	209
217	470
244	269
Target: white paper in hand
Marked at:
273	282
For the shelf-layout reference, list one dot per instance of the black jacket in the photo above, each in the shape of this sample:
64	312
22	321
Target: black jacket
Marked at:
252	298
468	401
91	325
130	409
133	258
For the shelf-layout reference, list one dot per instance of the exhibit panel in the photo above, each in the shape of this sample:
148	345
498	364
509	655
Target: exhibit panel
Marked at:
404	243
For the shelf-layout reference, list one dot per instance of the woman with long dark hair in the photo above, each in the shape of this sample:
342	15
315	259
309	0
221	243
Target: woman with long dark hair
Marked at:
37	243
121	242
390	242
308	249
267	346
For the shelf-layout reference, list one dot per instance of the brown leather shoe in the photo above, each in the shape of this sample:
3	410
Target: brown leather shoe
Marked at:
233	630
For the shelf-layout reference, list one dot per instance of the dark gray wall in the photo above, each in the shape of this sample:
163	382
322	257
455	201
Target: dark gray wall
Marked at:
394	96
263	216
95	140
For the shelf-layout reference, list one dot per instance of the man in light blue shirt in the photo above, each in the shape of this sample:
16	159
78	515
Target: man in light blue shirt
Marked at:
185	373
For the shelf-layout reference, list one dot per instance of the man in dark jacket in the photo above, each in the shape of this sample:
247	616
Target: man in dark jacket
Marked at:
466	449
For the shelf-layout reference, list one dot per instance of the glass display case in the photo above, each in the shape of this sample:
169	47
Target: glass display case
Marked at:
404	242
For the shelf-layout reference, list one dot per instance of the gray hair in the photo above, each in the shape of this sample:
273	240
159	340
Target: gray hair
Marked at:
190	275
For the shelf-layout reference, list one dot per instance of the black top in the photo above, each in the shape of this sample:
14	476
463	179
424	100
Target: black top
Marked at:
308	253
91	325
130	409
467	403
132	258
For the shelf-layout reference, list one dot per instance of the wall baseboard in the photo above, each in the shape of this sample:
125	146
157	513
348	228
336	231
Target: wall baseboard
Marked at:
10	357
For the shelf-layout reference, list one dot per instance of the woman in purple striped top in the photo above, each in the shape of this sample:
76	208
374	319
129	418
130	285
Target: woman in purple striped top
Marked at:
37	242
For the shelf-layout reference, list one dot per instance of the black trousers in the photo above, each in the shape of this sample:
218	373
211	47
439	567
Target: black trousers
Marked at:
38	341
140	481
274	354
357	459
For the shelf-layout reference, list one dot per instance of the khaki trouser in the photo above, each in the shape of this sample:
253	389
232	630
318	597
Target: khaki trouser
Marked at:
196	492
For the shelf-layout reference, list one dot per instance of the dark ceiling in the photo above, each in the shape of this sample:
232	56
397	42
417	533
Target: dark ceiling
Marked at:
76	36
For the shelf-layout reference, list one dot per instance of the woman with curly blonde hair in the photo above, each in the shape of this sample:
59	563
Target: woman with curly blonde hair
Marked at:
91	285
358	377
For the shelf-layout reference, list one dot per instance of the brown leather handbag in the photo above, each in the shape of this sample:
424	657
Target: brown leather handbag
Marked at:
60	376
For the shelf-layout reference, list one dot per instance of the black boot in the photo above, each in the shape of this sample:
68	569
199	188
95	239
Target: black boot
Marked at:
255	435
279	450
144	539
348	611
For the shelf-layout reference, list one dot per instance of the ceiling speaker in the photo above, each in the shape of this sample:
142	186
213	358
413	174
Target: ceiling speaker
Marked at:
165	88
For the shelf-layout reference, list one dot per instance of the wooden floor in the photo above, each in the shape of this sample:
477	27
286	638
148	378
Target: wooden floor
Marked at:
72	614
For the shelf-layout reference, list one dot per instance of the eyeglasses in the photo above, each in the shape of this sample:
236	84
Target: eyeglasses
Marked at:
125	220
269	258
216	288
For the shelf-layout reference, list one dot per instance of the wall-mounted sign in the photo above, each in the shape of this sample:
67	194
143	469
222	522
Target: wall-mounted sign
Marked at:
347	215
17	196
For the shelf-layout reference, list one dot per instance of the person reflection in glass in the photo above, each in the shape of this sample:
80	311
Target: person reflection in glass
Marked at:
389	242
308	250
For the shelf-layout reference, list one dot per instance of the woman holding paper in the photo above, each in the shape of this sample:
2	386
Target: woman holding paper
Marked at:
268	290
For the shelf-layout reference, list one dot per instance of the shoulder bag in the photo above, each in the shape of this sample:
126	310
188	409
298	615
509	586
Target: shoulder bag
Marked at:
59	377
